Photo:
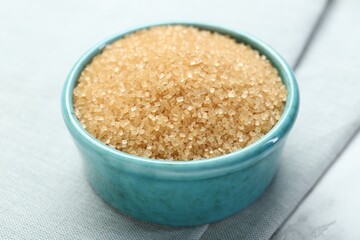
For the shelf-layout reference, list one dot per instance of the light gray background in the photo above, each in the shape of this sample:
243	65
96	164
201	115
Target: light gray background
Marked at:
331	211
43	193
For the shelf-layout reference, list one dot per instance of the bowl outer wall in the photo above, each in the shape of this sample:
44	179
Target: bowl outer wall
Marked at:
182	193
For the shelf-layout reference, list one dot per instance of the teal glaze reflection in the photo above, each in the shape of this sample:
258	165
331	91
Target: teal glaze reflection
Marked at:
180	193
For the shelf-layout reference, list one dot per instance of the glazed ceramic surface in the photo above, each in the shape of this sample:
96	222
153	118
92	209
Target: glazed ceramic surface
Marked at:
182	193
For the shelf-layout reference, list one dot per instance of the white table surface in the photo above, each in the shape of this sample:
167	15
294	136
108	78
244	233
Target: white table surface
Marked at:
332	210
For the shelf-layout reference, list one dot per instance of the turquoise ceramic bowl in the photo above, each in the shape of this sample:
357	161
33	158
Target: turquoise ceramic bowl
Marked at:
182	193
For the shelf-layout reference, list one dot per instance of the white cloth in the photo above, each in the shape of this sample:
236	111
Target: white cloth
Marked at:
43	192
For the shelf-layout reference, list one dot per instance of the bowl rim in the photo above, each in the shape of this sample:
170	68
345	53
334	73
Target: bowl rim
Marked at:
241	158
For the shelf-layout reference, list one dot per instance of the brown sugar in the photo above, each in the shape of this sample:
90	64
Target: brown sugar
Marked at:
179	93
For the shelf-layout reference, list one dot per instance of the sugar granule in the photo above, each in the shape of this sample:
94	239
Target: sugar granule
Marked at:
178	93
